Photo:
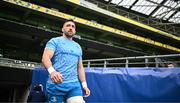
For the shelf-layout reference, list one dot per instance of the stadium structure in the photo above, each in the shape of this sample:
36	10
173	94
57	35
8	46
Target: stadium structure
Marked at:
120	29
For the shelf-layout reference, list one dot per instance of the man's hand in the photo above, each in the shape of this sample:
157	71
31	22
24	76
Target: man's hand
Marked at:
56	77
86	91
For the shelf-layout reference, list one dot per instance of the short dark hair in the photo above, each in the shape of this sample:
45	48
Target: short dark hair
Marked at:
174	64
68	20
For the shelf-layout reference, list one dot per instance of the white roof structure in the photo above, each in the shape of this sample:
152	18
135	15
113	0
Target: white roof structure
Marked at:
162	9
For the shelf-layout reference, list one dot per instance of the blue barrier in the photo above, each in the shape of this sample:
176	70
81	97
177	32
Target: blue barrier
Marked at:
39	76
128	84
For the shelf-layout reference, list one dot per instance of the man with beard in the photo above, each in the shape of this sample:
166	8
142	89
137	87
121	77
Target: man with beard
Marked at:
62	58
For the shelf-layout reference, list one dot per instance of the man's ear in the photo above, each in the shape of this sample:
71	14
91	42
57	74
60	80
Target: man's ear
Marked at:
62	30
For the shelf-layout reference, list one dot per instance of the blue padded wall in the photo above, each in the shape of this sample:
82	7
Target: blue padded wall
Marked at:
128	84
39	76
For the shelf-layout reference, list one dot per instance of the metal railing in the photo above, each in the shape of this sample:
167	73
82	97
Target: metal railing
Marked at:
138	61
6	62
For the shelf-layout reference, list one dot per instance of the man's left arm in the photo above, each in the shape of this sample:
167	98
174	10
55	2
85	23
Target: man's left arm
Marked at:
82	77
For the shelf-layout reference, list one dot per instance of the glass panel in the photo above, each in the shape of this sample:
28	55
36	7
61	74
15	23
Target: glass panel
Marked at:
161	12
157	1
144	7
175	18
171	3
127	3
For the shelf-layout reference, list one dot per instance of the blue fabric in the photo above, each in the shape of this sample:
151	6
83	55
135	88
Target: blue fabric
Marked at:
67	54
39	76
124	85
65	91
54	99
133	85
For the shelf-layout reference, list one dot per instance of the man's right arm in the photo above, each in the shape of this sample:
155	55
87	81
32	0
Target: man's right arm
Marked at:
56	77
46	58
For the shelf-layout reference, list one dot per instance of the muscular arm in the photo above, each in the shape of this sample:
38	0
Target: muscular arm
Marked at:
82	77
55	76
81	72
46	58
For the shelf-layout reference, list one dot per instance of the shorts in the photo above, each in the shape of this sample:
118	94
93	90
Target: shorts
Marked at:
60	93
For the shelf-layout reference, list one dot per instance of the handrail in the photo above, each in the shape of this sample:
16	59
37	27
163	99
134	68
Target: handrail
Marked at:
135	57
126	61
6	62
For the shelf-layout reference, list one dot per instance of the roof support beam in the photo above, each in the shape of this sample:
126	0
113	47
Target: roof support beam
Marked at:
97	26
160	5
172	15
133	4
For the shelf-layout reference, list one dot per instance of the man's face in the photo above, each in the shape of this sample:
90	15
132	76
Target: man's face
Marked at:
170	66
69	29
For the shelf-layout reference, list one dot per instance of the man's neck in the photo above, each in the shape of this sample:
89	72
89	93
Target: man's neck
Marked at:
69	38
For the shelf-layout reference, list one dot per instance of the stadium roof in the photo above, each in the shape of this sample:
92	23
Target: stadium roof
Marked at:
105	28
168	10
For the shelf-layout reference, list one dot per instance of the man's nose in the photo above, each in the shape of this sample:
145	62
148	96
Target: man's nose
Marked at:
70	28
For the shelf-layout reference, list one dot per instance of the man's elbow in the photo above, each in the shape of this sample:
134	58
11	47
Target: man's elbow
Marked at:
42	60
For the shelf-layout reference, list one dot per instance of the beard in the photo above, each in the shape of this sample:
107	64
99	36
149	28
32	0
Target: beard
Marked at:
69	34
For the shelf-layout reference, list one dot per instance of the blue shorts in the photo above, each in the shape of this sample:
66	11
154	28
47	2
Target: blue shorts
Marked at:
63	91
